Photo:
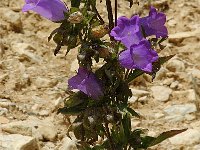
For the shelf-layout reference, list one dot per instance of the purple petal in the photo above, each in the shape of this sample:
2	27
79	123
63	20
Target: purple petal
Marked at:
28	7
50	9
139	56
125	59
93	87
143	55
154	24
132	39
127	31
86	82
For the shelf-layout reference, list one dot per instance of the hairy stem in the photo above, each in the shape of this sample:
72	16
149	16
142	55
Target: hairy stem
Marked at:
115	12
110	14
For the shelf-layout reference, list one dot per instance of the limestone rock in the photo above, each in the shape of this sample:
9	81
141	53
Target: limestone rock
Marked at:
139	93
190	95
188	137
48	133
3	111
74	66
177	37
48	146
68	144
25	52
3	120
41	82
175	65
194	72
161	93
13	18
18	142
40	129
174	118
182	109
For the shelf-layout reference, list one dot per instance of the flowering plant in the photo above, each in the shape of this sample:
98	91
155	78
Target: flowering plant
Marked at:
103	114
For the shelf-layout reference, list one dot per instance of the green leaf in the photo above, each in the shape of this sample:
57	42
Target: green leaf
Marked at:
71	110
133	112
75	3
126	122
135	73
164	136
165	58
52	33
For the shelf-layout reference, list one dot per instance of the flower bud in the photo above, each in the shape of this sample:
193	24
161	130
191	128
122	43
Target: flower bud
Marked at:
75	17
100	31
103	52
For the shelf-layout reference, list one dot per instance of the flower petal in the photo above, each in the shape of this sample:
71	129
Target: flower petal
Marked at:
28	7
125	59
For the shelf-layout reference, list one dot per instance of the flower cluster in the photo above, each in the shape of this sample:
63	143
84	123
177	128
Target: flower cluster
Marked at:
132	32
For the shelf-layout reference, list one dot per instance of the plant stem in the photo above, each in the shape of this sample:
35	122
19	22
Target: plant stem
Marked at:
110	14
115	12
112	147
100	18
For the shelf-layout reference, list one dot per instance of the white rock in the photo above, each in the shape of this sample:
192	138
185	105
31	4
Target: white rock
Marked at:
18	142
161	73
177	37
24	51
180	109
41	129
3	120
44	113
174	118
5	103
133	99
168	81
143	99
174	84
74	66
159	115
68	144
139	93
189	137
196	147
41	82
48	133
161	93
13	18
48	146
189	95
194	72
3	111
190	117
175	65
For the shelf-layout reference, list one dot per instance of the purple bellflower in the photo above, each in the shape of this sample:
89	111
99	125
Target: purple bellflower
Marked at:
86	82
154	23
50	9
138	56
127	31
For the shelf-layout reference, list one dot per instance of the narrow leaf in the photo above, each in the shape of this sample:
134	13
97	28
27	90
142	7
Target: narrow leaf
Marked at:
166	135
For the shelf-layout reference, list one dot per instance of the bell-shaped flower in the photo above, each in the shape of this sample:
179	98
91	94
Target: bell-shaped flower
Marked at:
127	31
86	82
50	9
138	56
154	24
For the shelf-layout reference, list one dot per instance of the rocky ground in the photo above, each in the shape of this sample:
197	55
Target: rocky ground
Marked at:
33	80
